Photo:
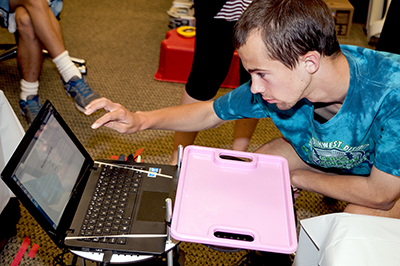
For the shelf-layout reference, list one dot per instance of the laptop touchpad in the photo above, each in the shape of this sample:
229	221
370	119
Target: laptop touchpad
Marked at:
152	206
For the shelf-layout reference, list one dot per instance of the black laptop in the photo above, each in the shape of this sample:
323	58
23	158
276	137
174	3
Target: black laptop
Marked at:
105	205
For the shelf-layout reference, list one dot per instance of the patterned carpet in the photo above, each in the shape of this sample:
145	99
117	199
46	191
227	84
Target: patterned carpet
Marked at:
121	44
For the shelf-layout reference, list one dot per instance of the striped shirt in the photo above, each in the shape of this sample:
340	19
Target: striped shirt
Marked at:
233	9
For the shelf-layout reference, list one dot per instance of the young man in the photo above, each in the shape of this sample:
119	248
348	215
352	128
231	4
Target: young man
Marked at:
336	106
38	29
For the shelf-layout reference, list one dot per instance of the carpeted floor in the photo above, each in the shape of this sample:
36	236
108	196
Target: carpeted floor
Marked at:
121	43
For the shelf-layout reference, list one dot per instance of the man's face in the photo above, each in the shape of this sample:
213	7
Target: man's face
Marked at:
272	79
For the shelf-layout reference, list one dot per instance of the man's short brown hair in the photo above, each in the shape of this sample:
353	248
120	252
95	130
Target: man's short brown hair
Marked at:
289	28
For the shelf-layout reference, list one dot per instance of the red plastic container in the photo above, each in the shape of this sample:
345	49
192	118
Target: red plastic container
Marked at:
176	57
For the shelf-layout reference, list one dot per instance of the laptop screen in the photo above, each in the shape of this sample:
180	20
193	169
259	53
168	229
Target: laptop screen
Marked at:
49	169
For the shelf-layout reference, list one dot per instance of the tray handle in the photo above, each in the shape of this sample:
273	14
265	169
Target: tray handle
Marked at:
235	159
233	234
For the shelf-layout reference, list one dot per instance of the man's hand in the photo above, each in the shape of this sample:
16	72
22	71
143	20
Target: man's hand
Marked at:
188	117
117	117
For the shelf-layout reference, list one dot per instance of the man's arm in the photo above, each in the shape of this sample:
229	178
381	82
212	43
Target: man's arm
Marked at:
379	191
190	117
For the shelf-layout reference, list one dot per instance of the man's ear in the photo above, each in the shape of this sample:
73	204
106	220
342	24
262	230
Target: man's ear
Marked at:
311	61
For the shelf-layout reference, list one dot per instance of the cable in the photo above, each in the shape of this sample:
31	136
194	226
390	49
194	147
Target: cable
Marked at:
130	158
106	257
59	259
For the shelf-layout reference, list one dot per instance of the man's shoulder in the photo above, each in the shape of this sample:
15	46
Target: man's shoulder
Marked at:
375	66
369	54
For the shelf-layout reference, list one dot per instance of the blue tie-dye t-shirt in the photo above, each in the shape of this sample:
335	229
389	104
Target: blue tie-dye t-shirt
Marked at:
365	131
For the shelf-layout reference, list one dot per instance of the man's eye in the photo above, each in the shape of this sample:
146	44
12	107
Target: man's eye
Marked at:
261	75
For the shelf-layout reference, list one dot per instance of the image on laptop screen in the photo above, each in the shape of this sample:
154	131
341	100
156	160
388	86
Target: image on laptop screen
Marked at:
49	169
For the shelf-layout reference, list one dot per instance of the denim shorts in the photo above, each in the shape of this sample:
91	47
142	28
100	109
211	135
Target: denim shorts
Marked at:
4	8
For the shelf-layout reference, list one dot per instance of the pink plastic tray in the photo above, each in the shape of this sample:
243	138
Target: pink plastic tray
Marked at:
239	204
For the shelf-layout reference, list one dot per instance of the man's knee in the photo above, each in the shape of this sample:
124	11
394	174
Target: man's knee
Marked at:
22	19
282	147
394	212
277	146
37	6
24	25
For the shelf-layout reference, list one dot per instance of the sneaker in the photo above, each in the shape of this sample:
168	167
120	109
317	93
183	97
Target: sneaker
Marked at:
79	90
30	108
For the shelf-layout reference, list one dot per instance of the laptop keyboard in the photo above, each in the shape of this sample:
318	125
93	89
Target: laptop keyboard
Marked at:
112	205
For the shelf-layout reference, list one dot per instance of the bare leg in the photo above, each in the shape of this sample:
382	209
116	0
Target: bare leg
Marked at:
244	129
47	33
394	212
183	138
29	54
44	23
282	147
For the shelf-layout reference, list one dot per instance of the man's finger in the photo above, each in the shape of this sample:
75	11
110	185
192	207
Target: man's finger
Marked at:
107	118
97	104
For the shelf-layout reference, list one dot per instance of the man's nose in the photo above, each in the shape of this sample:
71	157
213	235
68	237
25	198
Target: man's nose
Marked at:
256	86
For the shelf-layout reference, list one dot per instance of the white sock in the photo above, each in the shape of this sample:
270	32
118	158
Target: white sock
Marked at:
28	88
66	67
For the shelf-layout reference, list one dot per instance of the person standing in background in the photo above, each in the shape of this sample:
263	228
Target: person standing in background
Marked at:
212	58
